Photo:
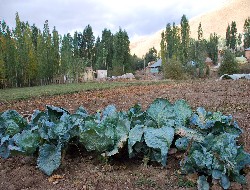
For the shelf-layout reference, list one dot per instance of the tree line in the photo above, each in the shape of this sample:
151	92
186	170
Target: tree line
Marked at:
30	56
177	45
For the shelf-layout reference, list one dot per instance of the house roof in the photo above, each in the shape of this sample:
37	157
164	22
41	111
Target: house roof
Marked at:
156	64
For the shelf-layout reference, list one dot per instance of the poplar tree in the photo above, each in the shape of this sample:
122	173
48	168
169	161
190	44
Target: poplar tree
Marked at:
185	39
212	47
55	51
66	55
163	48
121	57
41	55
76	44
247	33
48	56
169	41
31	66
233	36
239	40
99	59
2	50
176	41
228	36
200	32
107	48
88	41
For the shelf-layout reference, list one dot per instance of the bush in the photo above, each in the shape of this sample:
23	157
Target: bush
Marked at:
174	70
229	64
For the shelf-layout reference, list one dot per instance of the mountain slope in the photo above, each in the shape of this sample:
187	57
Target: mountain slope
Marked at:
214	21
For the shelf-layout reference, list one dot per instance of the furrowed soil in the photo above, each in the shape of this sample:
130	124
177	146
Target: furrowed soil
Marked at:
83	170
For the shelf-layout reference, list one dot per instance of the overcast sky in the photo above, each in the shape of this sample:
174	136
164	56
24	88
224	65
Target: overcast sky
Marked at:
137	17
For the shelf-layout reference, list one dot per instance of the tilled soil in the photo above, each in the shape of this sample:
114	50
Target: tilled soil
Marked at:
83	170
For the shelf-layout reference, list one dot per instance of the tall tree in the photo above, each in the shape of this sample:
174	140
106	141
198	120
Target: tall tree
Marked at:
247	33
200	32
163	48
66	55
176	41
239	40
31	66
212	47
55	51
121	57
76	46
2	51
34	35
185	38
233	36
228	36
151	55
9	48
88	41
48	66
99	58
21	52
41	55
169	41
107	48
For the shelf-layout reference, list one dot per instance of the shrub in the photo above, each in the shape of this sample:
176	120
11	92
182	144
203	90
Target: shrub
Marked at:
229	65
174	70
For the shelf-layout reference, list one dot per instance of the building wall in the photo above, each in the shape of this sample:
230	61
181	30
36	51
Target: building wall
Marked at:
247	55
101	74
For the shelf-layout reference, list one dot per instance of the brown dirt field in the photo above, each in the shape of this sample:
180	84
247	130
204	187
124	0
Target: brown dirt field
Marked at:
83	170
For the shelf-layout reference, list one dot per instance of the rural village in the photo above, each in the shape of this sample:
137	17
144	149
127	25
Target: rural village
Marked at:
170	110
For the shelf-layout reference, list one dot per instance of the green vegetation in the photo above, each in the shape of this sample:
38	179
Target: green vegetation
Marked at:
247	33
208	139
57	89
229	64
176	43
174	70
30	56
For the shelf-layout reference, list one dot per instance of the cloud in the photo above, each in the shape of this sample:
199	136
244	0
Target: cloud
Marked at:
138	18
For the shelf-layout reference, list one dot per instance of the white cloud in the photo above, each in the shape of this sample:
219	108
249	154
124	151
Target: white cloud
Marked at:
137	17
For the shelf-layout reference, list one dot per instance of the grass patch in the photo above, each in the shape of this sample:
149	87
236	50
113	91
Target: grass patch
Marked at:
58	89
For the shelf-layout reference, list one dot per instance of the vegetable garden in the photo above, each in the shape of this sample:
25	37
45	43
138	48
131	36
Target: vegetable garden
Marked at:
206	140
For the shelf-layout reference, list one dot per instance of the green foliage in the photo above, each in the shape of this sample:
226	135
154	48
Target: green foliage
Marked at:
202	183
49	90
246	33
170	42
229	64
49	158
174	70
233	40
212	47
151	55
217	154
209	139
30	56
228	35
121	56
185	39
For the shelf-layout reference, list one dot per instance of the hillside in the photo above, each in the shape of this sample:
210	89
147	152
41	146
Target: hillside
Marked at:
214	21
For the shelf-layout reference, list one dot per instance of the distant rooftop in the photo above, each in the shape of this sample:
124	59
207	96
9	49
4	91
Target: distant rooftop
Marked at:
156	64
